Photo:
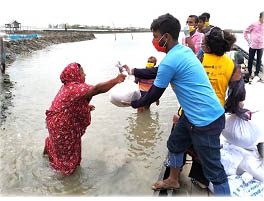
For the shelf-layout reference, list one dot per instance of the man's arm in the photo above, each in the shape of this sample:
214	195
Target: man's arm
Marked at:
246	32
145	73
153	95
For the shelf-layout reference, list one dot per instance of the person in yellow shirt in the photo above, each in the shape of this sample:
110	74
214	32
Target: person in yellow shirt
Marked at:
222	73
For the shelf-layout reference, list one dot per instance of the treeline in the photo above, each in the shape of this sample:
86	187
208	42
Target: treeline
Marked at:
102	27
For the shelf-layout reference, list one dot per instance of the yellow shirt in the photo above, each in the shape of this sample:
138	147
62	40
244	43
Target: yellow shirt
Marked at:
219	70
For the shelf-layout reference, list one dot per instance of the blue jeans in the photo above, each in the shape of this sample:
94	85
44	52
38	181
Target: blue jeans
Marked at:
252	53
206	143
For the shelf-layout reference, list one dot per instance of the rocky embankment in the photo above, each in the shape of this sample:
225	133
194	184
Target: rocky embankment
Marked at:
16	48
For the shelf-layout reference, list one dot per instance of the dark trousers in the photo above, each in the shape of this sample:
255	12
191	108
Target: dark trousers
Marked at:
206	143
252	53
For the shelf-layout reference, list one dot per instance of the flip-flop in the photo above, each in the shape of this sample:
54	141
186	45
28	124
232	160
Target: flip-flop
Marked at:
163	186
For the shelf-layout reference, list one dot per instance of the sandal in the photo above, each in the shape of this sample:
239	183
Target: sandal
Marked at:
163	186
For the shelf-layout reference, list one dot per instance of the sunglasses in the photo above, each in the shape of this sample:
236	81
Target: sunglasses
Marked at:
209	32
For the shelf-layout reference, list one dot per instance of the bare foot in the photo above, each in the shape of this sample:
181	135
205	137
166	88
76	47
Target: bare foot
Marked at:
166	184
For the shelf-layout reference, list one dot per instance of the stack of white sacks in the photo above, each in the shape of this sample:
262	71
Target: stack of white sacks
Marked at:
240	156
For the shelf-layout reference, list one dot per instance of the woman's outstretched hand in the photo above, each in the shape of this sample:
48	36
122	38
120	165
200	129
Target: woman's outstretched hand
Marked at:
120	78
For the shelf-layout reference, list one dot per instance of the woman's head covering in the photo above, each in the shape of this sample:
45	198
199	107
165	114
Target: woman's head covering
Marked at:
71	73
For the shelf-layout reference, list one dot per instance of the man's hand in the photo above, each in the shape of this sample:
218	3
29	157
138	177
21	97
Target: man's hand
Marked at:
126	103
127	69
186	31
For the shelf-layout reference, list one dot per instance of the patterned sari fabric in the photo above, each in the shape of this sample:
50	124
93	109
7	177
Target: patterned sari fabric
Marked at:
67	119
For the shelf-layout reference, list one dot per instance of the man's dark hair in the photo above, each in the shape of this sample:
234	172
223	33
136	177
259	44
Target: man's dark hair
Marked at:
167	24
219	41
202	18
261	14
195	18
207	15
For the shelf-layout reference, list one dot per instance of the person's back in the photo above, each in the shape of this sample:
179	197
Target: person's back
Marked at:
219	70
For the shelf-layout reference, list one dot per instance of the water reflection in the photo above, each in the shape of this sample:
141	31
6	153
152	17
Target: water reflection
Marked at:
143	130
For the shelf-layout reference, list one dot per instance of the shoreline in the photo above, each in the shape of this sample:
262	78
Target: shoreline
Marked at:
16	48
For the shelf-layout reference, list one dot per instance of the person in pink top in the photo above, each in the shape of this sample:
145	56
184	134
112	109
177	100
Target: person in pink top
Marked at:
192	38
256	31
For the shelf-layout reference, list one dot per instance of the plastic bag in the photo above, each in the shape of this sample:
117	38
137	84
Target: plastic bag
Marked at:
239	187
241	133
252	165
126	91
243	186
231	157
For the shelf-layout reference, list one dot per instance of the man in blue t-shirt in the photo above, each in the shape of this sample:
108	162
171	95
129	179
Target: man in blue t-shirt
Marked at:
202	120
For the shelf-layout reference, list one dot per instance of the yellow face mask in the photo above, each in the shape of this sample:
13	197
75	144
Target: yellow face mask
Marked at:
206	24
191	28
149	65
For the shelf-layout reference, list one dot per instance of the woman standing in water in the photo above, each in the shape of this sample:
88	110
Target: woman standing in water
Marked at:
70	115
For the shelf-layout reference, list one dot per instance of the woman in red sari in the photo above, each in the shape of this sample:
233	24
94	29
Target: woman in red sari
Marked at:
69	116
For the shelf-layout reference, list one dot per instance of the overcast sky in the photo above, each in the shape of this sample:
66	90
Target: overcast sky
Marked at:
234	14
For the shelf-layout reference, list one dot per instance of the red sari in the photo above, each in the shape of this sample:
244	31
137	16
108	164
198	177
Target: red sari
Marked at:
67	119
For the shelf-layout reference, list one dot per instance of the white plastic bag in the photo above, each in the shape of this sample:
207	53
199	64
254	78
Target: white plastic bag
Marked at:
252	165
241	133
239	187
230	159
126	91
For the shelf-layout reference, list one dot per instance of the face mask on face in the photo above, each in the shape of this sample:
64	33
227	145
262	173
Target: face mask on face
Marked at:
191	28
158	47
206	24
149	65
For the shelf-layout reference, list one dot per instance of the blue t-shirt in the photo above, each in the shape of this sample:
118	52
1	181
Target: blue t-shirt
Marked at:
189	81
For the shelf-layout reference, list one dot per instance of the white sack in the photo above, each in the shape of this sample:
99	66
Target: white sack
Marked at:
254	166
230	159
241	133
241	188
125	91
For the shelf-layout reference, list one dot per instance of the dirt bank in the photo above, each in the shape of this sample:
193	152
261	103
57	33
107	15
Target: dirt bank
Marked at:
16	48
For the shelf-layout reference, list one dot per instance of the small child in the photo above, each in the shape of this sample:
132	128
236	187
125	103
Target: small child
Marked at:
145	84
